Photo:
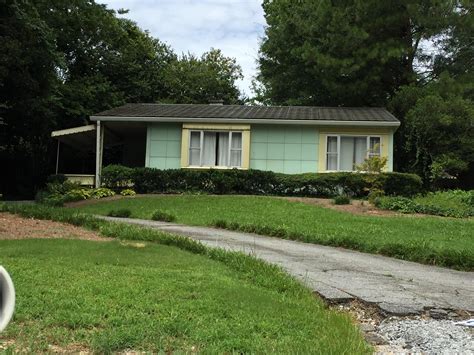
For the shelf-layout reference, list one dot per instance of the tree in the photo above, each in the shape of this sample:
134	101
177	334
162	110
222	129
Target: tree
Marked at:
200	80
438	131
345	52
27	83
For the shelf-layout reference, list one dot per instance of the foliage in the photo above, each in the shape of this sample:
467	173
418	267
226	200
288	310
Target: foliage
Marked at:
116	176
163	216
454	203
438	131
261	288
63	61
128	192
346	53
56	179
342	200
256	182
431	240
56	194
201	80
122	212
102	192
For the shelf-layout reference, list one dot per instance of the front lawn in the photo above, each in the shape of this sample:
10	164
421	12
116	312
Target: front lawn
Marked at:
75	295
432	240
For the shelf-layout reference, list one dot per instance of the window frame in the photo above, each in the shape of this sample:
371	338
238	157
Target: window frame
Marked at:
229	150
338	145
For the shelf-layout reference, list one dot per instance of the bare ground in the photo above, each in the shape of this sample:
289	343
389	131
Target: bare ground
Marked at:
16	227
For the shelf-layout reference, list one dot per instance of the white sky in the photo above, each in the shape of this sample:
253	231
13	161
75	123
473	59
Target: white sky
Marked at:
234	26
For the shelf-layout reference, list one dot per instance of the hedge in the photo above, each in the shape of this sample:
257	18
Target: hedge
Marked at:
256	182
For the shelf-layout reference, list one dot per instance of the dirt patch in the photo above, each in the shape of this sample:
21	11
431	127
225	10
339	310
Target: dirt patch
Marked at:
15	227
355	207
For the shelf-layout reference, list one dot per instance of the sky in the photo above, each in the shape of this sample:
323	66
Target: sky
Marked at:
234	26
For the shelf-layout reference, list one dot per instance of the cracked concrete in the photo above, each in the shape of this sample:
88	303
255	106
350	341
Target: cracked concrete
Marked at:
398	287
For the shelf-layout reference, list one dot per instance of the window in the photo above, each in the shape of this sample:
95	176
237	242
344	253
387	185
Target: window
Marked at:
345	152
211	148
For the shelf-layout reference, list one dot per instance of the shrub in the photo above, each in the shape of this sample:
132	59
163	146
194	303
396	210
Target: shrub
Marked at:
163	216
56	179
123	213
117	176
255	182
102	192
128	192
342	200
77	195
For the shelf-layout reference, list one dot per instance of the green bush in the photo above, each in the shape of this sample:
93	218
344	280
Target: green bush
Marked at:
163	216
102	192
256	182
455	203
124	213
128	192
342	200
117	176
56	179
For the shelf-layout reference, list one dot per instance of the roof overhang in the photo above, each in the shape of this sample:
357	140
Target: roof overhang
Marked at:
246	121
82	138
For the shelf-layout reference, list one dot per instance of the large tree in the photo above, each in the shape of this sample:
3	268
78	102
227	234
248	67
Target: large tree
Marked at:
345	52
61	61
213	76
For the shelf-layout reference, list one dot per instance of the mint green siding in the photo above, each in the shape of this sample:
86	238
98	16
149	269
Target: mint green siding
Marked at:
163	146
284	149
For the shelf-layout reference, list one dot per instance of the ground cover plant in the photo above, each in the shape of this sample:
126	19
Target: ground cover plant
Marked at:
431	240
115	296
451	203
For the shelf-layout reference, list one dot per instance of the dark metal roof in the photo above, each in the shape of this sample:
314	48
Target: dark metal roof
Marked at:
376	114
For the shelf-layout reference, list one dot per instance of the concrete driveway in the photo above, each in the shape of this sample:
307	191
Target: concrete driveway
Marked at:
396	286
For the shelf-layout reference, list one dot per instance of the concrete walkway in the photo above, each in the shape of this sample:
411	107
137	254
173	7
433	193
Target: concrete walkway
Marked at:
396	286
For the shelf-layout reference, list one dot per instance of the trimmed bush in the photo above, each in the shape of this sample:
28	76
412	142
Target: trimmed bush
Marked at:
163	216
117	176
342	200
256	182
123	213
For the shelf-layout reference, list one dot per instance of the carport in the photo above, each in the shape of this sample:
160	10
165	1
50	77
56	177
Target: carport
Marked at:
121	143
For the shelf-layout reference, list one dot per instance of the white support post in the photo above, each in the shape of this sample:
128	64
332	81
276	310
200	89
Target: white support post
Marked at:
57	157
98	154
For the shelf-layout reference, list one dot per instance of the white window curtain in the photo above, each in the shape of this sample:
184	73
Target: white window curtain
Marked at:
223	150
332	153
195	149
209	149
374	146
353	152
346	152
236	149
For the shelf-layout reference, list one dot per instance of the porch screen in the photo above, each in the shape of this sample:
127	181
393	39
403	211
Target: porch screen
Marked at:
210	148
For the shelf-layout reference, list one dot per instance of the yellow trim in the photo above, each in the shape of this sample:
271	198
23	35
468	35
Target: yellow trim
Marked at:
184	147
209	126
245	129
382	133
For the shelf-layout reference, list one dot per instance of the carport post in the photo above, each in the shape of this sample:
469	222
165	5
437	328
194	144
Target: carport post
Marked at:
57	157
98	154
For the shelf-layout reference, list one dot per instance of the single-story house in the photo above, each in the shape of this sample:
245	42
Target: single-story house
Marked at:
285	139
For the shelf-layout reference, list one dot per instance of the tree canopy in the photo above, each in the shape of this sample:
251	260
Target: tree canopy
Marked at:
64	60
414	56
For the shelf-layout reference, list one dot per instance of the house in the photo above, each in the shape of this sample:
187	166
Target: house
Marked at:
291	139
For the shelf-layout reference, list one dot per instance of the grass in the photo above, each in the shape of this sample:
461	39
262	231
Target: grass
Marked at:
430	240
152	296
